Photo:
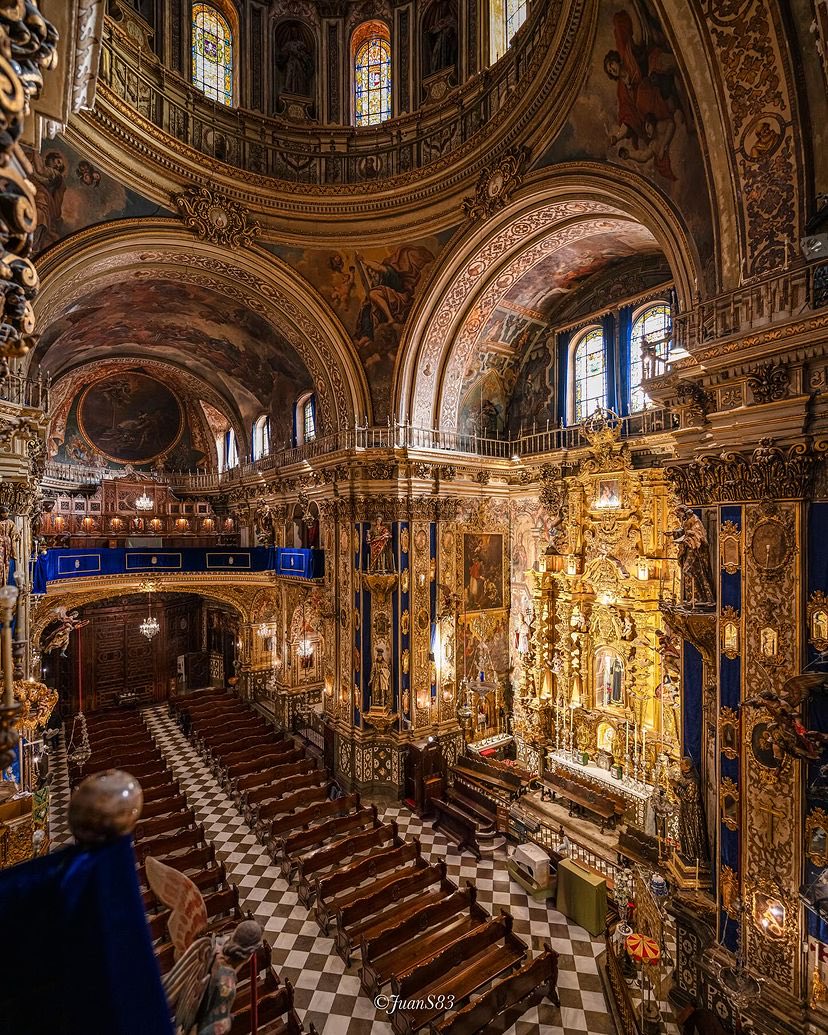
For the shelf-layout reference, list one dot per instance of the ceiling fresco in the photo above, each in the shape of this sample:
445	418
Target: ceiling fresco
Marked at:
231	348
634	111
73	193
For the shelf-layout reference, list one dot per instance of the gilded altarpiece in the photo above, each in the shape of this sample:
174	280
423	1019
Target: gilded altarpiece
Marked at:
772	845
597	681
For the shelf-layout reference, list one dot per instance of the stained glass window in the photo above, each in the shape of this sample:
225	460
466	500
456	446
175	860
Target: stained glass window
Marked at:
309	420
372	74
212	54
590	375
515	11
649	349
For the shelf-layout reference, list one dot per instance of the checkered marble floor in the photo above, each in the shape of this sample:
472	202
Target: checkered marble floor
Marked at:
327	992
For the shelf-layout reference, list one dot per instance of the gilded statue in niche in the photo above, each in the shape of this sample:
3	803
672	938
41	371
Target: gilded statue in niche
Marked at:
379	684
609	678
818	621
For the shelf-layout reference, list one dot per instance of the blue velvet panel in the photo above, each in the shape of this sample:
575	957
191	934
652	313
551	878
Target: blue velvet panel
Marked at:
78	957
692	703
563	343
625	326
57	564
611	360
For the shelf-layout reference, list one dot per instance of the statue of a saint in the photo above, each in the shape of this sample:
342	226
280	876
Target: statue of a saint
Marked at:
694	557
380	682
692	829
381	559
9	543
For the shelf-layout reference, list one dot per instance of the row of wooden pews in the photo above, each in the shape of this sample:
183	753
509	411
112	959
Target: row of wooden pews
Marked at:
410	927
604	804
168	831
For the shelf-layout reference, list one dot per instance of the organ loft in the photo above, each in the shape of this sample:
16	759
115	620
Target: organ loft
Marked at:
414	517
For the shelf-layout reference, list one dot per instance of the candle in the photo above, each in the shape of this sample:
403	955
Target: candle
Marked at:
635	748
644	751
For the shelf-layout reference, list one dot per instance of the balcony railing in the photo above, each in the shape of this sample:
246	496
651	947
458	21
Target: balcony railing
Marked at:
24	391
386	438
330	154
756	304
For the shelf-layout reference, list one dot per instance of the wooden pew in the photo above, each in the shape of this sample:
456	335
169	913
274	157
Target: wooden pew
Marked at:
459	826
475	959
331	856
494	1011
152	828
295	762
375	911
197	859
476	804
304	818
290	803
583	799
164	806
504	785
275	1014
417	939
249	761
289	850
218	904
162	847
338	889
161	789
210	879
266	801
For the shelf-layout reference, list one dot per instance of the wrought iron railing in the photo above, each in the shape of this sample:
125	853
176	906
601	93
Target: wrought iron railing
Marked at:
323	154
25	391
389	437
542	834
626	1012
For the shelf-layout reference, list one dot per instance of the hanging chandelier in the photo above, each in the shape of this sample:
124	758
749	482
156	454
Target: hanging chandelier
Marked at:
144	502
149	627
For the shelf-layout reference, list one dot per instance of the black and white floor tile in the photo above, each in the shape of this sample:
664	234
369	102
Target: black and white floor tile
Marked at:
59	793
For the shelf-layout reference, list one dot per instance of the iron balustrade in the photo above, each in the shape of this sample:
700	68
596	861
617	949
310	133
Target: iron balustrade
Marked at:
380	438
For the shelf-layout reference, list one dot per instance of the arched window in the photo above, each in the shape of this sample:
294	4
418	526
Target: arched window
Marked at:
589	375
261	437
212	45
649	350
231	449
371	51
305	418
515	12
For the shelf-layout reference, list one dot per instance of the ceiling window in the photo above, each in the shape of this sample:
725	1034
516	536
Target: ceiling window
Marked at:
649	351
372	74
212	53
589	380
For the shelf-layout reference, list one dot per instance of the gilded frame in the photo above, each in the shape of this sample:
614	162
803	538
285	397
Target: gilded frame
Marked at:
731	633
729	724
818	621
729	803
816	848
730	547
772	535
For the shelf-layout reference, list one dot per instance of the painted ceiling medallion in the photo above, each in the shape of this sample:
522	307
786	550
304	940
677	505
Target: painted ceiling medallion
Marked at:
215	218
497	184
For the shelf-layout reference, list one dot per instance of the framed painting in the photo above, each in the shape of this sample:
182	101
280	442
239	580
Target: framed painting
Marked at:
483	571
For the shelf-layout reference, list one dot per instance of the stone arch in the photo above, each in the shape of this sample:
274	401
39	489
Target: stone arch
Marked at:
553	207
254	278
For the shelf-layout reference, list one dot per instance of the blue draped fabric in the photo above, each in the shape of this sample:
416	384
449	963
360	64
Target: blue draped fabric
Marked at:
817	714
78	958
625	326
692	702
563	343
312	402
294	434
58	564
611	360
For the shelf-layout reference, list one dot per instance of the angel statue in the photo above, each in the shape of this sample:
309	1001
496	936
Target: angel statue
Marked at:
201	986
59	637
786	730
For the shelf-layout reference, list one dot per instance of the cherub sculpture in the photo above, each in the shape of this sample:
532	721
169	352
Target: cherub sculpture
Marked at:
59	637
786	730
201	986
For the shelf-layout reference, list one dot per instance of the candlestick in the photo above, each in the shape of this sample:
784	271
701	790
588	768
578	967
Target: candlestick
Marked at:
635	747
644	752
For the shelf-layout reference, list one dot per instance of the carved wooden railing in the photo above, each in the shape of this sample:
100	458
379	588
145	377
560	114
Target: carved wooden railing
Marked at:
387	437
323	154
754	305
625	1009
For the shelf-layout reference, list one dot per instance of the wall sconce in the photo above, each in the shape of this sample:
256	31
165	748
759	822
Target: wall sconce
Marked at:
182	525
116	524
770	915
207	524
88	524
156	524
642	570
